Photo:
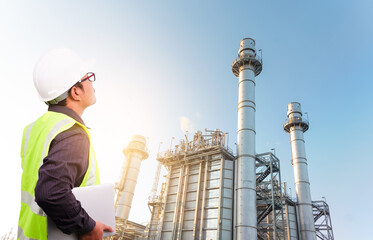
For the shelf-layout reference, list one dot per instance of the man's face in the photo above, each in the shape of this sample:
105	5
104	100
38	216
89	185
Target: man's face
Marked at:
88	95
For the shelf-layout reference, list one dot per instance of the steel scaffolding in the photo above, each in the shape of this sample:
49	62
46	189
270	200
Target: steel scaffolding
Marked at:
323	222
269	203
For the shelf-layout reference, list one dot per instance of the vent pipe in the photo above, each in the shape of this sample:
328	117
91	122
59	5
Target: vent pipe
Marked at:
295	125
135	152
246	67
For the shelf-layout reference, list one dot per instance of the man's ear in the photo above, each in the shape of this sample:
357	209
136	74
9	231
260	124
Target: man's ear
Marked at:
75	93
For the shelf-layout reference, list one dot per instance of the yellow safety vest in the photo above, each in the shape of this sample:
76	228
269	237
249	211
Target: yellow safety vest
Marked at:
37	137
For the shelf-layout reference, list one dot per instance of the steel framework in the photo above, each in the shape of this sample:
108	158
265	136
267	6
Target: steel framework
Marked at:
269	203
197	200
323	222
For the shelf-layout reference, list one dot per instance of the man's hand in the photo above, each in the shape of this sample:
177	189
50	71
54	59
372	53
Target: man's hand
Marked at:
96	233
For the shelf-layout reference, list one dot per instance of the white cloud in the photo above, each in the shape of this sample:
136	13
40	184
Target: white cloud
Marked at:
186	124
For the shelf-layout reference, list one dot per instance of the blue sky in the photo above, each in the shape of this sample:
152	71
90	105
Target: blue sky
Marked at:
159	62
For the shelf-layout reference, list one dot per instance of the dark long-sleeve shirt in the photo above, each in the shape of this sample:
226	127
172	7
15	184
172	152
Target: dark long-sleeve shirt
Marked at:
63	169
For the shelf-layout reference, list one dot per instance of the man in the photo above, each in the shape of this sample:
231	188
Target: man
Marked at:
56	152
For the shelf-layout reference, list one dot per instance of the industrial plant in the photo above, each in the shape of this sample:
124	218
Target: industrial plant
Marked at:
211	193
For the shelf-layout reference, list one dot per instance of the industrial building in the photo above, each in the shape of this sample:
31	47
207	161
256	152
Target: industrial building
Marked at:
199	191
211	193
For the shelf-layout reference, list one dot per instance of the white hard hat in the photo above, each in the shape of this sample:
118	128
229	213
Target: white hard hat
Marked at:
57	71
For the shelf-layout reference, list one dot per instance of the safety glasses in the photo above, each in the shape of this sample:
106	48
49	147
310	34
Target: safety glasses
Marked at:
89	76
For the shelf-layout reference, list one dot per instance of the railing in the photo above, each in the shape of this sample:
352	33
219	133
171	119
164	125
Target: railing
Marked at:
245	57
296	120
256	60
303	122
200	143
229	150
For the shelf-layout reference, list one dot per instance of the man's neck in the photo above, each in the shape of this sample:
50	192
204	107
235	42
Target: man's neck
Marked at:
76	108
67	111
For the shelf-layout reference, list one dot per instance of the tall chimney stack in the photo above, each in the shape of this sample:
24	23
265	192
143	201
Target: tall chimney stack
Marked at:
296	126
246	67
135	152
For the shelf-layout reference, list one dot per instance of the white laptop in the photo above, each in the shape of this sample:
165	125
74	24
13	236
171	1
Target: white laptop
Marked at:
98	202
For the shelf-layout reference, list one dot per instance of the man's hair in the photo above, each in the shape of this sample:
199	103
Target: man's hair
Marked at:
63	102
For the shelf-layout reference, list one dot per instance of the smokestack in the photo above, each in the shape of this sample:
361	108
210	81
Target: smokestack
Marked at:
246	67
296	126
135	152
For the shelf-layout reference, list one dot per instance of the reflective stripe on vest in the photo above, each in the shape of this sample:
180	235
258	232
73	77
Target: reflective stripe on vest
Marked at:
21	235
29	200
91	176
35	147
24	145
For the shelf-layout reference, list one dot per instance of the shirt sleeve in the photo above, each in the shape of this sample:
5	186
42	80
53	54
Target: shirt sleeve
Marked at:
63	169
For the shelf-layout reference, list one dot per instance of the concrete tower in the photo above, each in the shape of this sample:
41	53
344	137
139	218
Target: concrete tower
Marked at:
296	126
246	67
135	152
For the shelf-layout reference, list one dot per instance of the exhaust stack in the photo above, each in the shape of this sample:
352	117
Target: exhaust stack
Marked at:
135	152
246	67
296	126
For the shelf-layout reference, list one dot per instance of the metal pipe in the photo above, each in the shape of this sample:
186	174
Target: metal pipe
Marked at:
246	67
297	220
177	204
182	206
287	221
203	200
286	212
197	201
153	193
221	192
234	197
273	201
164	200
150	229
135	152
281	195
296	126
